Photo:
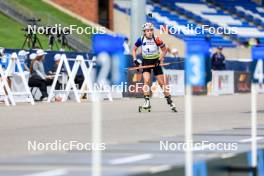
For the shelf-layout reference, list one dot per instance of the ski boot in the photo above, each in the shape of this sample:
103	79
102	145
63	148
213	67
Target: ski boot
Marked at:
146	107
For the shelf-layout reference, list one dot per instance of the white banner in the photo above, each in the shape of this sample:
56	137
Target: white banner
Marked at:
222	82
175	79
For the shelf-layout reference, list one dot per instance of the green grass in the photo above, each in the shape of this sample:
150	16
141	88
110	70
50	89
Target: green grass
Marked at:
11	35
49	14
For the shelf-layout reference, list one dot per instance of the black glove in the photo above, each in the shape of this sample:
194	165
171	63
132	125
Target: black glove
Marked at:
157	63
137	62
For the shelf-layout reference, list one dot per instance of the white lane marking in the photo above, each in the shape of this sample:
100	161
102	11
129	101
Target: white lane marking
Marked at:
57	172
250	139
131	159
158	169
228	155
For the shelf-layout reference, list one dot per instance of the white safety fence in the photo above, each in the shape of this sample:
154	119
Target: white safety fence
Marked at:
19	91
71	89
15	73
70	85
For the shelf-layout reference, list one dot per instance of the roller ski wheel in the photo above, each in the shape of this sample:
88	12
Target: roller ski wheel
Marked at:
173	108
144	109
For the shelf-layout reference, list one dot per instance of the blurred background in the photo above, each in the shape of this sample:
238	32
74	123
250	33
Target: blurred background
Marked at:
115	15
132	138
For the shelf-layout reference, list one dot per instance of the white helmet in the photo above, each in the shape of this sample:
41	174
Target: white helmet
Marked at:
148	25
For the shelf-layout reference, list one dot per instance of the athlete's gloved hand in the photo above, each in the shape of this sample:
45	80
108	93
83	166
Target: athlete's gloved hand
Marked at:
157	63
137	62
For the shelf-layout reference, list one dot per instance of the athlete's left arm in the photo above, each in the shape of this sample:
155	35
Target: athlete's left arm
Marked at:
163	48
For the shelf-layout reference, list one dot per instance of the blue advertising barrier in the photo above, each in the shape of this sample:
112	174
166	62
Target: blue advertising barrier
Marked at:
110	62
195	63
49	61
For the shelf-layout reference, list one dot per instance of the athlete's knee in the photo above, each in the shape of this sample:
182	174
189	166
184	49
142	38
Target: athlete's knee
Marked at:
147	81
146	87
161	80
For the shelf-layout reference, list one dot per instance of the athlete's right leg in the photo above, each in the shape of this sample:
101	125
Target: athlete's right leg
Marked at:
146	88
164	85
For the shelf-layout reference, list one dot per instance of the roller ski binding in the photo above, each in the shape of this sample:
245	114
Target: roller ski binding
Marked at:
171	104
146	107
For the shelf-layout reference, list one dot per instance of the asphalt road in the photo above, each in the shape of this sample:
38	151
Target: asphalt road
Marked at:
132	139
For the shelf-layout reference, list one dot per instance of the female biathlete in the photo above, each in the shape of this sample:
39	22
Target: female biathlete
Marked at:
151	56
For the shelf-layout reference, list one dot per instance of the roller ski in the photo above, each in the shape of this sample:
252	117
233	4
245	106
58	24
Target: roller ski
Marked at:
173	107
171	104
146	107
